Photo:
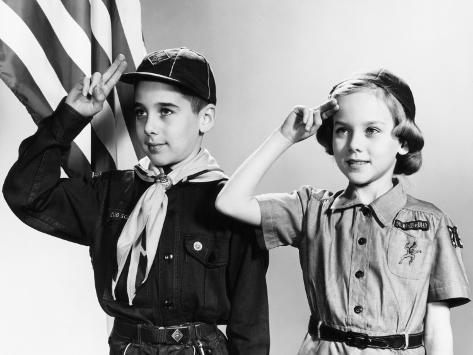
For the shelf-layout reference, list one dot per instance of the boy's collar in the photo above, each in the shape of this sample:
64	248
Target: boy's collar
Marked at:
385	207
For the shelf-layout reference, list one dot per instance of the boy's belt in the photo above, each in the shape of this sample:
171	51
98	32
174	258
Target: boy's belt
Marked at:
188	333
362	340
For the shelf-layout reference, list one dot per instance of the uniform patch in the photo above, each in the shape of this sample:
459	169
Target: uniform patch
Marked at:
454	237
411	250
118	215
412	225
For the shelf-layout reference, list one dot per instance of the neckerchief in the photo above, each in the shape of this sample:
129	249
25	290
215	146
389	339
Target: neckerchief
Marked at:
150	211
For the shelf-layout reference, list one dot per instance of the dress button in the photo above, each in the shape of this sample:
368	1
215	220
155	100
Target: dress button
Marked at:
197	246
358	309
366	211
167	304
362	241
359	274
168	257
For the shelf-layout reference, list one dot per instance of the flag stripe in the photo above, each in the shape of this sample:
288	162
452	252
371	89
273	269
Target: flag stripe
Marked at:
80	11
130	16
21	40
71	36
16	75
101	26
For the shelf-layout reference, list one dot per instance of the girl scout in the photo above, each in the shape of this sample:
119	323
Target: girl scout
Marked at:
381	269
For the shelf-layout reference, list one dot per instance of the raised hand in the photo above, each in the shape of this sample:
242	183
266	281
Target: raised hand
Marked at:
87	97
302	122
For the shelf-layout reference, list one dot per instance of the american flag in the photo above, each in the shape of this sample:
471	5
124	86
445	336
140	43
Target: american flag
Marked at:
46	46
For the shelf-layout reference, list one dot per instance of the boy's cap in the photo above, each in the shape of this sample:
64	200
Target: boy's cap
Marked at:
389	82
179	66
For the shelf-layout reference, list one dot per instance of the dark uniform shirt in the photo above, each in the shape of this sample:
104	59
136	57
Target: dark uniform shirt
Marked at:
208	268
369	269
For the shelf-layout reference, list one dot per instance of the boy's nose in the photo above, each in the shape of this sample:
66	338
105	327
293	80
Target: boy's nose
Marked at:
151	126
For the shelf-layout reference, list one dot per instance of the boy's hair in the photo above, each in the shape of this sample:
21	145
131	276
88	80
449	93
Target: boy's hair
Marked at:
197	103
397	96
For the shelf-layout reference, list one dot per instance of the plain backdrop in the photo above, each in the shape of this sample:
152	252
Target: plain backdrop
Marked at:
267	57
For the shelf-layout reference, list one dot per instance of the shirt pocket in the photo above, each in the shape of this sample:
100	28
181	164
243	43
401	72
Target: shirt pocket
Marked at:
409	254
206	257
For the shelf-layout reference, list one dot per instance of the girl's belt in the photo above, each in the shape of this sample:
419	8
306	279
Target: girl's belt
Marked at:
362	340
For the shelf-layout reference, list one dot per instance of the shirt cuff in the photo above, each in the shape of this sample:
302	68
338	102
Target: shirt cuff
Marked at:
454	295
66	123
267	236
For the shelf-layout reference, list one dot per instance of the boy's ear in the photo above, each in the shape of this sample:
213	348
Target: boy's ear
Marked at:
206	118
403	148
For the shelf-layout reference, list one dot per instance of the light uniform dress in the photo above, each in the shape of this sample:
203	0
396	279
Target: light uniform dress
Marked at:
369	269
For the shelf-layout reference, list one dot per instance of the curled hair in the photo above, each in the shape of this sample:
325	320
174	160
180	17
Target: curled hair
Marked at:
386	86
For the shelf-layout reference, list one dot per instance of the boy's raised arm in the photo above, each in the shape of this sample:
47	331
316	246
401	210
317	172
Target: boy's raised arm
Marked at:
237	198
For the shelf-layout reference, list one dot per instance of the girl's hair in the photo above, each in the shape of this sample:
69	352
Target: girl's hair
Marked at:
398	97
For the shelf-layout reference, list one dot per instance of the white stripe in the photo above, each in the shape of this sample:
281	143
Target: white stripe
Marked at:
130	17
70	34
101	26
126	156
17	35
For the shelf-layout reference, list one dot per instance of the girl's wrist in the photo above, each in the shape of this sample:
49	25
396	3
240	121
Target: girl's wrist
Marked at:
280	136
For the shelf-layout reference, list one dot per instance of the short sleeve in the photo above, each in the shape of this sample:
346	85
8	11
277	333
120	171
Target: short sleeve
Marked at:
282	216
448	281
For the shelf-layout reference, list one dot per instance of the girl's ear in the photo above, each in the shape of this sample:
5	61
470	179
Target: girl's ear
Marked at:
403	148
206	118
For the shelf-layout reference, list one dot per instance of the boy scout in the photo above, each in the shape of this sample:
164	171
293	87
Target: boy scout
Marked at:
206	270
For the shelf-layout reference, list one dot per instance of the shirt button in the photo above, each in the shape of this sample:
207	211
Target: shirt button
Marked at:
197	246
359	274
358	309
362	241
168	257
167	304
366	211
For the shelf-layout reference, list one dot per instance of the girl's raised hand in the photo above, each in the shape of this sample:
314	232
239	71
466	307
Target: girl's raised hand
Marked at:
303	122
87	97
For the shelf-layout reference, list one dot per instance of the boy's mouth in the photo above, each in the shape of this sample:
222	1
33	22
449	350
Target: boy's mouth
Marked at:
155	147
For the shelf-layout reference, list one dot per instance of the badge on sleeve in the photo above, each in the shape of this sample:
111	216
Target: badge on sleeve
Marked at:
454	237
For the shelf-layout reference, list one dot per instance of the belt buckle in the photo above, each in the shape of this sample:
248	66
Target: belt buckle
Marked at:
359	340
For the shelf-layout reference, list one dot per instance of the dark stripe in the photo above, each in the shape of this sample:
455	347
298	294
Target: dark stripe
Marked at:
17	77
101	160
125	91
67	71
80	11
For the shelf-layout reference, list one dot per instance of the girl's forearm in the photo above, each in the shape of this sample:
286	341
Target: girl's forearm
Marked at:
237	197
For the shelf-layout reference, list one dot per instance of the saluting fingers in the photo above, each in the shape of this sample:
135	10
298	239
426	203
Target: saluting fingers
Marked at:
95	80
85	85
113	73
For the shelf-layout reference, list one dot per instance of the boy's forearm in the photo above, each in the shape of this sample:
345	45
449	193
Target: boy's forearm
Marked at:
237	197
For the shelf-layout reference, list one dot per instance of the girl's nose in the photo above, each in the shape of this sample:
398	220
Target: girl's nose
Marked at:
356	142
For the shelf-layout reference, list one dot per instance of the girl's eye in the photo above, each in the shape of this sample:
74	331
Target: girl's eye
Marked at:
370	131
140	113
340	131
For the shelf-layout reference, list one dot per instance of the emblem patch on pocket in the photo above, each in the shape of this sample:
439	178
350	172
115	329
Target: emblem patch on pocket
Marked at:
454	237
411	250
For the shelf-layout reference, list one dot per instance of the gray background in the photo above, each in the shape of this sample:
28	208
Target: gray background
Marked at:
267	56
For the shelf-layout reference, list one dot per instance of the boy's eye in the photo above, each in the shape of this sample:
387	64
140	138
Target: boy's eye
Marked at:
165	112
